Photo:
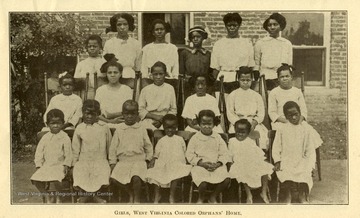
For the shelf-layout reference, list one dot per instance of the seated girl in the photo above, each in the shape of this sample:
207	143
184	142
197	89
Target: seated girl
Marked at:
69	103
90	145
169	163
249	166
294	153
130	153
157	100
53	156
245	103
199	101
208	153
112	95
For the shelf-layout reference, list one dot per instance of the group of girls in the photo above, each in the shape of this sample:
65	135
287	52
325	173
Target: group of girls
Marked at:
128	158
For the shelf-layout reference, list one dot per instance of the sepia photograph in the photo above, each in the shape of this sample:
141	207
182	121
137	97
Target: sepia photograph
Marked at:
170	112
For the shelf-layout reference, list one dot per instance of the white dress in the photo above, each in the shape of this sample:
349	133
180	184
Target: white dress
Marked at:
129	149
52	153
90	145
170	163
249	162
208	149
294	146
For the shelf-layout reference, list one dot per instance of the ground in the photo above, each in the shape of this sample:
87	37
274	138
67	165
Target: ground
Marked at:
333	189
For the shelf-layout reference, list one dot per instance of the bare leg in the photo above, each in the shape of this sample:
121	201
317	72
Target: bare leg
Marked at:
157	194
303	189
136	183
219	188
249	197
41	187
173	186
264	189
58	188
202	189
287	187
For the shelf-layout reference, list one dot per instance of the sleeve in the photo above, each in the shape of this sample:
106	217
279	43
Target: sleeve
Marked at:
231	151
78	70
106	47
290	53
143	104
182	59
158	148
309	152
224	156
113	147
77	114
302	104
230	108
183	144
39	153
137	66
76	146
251	62
273	114
67	151
49	107
190	153
277	146
175	68
257	55
98	97
148	147
108	138
144	67
173	109
187	113
260	108
214	61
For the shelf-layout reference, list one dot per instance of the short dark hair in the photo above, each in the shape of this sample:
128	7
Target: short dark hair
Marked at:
232	17
285	67
55	113
198	29
91	105
158	64
67	76
208	113
279	18
130	103
243	122
193	79
114	19
290	104
97	38
111	61
243	70
159	21
170	117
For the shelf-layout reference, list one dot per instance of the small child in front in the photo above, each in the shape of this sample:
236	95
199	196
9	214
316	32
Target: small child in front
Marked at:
90	146
294	153
249	166
130	152
53	155
208	153
169	160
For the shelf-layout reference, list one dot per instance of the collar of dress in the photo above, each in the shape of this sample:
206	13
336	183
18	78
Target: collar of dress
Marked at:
123	126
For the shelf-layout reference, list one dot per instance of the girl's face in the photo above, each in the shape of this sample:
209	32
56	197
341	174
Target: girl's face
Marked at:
200	86
206	125
293	115
55	124
90	116
122	27
285	79
197	39
93	48
67	86
245	81
159	32
170	127
241	132
158	75
232	29
130	114
273	28
113	74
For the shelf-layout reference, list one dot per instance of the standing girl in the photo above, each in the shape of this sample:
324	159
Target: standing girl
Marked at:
160	50
130	153
112	95
273	50
208	153
90	146
249	166
69	103
125	48
53	155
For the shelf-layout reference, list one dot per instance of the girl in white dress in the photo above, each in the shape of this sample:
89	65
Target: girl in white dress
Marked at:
112	95
249	166
53	156
169	160
208	153
130	153
294	153
160	50
90	145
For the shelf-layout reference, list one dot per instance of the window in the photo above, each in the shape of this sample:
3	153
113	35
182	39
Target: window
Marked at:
309	33
179	23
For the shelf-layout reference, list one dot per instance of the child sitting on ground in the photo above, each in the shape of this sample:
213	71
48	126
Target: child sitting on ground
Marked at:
53	156
130	153
169	160
249	166
294	153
